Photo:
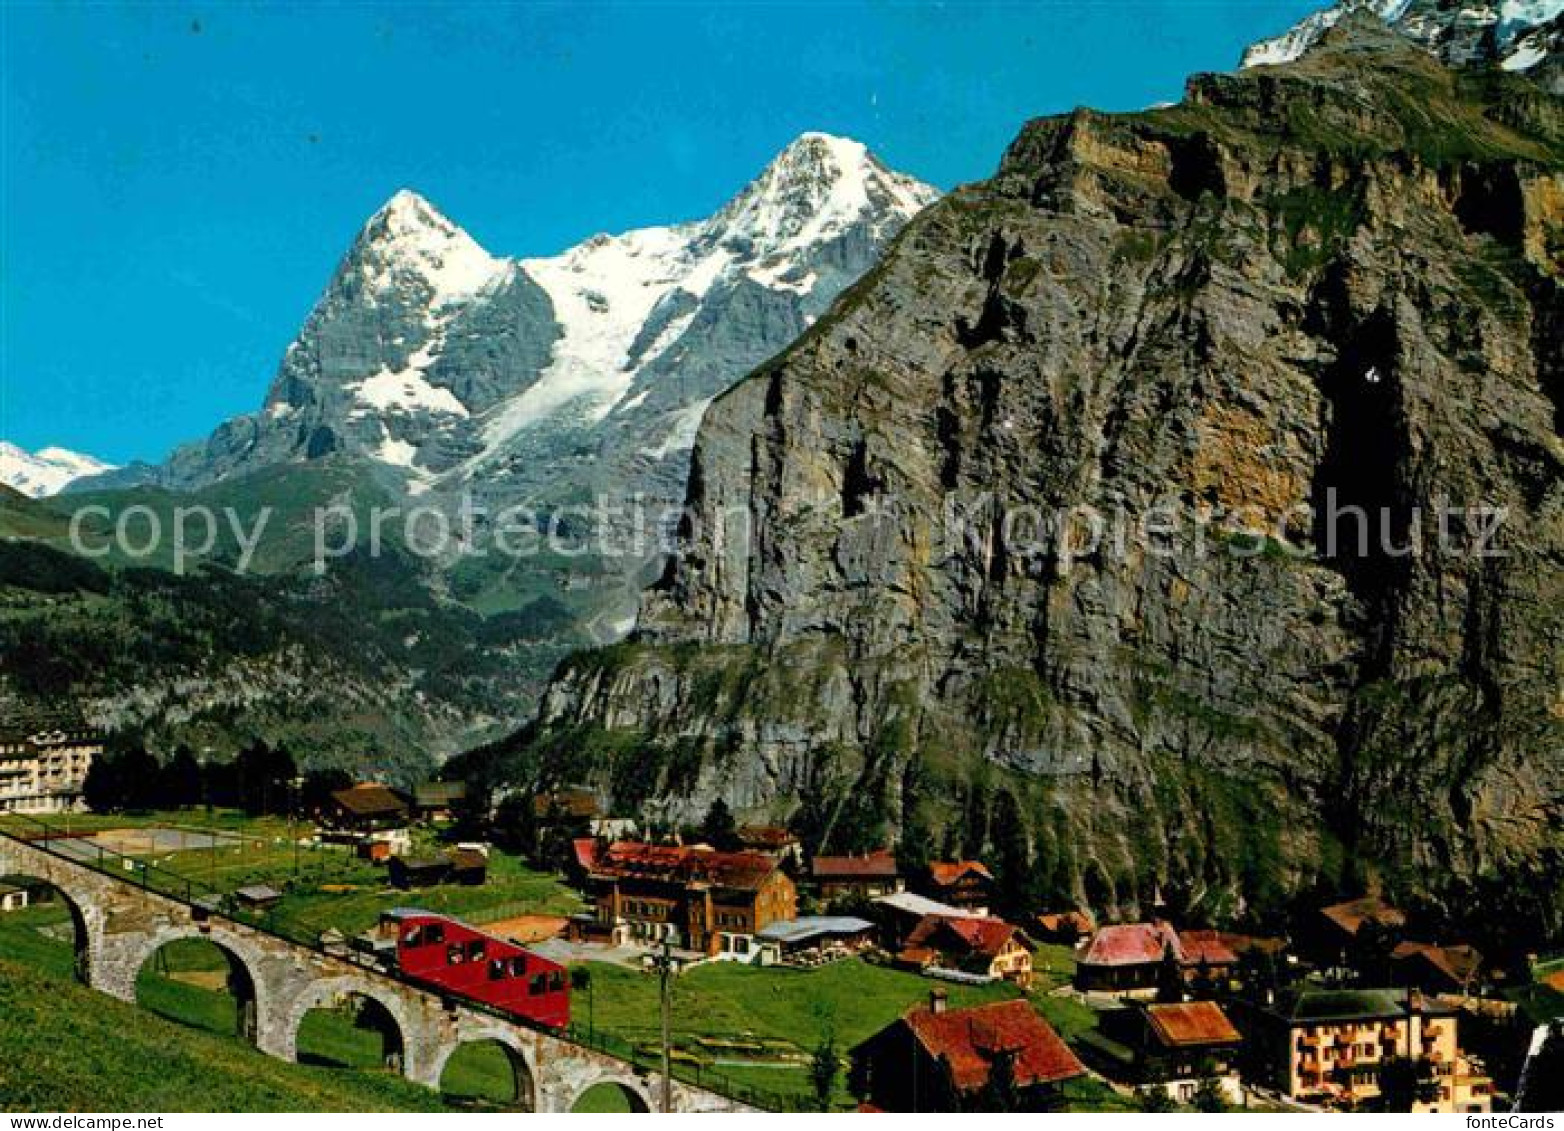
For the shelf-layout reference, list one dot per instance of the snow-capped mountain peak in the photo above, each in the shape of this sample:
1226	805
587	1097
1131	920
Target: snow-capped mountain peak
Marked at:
1516	34
409	239
819	185
46	471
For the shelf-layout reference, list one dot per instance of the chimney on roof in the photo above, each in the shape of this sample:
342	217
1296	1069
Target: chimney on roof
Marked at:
938	1000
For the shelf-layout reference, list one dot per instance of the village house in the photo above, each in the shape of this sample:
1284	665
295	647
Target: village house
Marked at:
418	871
863	876
900	913
469	866
1331	936
368	807
1437	969
811	939
574	808
1066	927
692	898
1127	959
44	761
933	1057
1169	1047
775	839
966	884
1326	1047
438	800
976	948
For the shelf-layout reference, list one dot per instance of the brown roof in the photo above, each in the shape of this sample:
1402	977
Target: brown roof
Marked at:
463	859
1351	915
676	864
879	864
1053	922
1458	963
370	799
1191	1023
946	873
969	1039
1210	947
576	804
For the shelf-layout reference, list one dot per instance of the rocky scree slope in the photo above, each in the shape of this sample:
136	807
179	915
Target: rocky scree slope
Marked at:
1338	275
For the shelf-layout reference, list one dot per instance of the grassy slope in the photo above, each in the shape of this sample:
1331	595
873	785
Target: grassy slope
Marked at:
46	1010
66	1048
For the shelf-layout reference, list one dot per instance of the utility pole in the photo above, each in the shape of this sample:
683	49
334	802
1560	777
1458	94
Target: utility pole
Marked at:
664	963
294	784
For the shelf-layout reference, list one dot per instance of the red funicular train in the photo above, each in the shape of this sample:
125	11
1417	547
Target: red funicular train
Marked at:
452	956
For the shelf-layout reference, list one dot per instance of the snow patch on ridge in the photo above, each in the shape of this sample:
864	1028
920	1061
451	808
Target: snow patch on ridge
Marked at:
46	471
605	290
413	236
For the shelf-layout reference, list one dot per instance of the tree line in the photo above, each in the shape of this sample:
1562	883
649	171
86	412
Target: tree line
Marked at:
260	780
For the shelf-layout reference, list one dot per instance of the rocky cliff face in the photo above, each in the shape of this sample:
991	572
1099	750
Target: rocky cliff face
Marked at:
1334	281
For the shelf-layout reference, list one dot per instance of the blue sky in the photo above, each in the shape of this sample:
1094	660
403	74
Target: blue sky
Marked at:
178	181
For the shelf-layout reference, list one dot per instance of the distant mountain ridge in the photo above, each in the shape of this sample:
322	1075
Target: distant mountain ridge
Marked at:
47	471
448	364
1522	36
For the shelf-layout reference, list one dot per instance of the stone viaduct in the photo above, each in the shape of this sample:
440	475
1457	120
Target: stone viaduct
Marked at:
120	925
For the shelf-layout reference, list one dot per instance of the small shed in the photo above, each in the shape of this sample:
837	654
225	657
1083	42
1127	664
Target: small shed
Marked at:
12	898
418	871
469	866
257	897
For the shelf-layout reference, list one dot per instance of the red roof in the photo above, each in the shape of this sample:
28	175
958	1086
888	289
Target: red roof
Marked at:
1191	1023
879	864
585	850
946	873
986	937
969	1039
1210	947
677	864
1131	944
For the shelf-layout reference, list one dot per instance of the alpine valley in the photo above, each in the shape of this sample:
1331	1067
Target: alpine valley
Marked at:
432	373
1334	275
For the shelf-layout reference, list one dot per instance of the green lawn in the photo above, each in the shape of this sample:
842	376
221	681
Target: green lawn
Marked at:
1053	965
787	1011
327	885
